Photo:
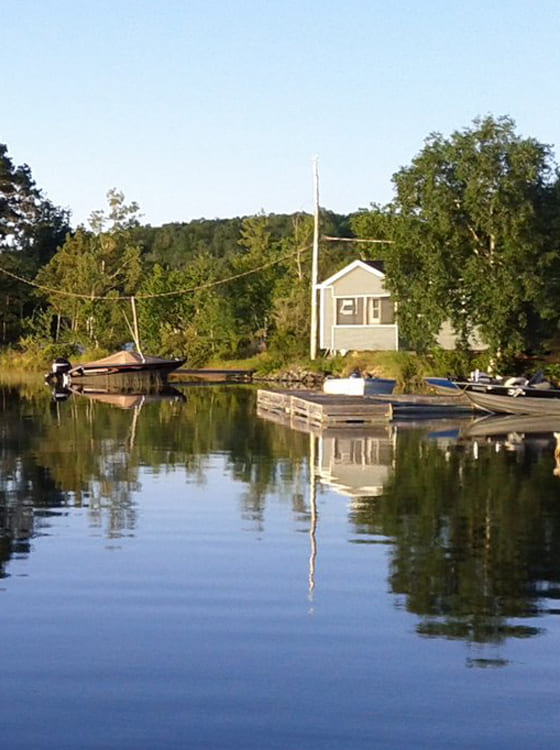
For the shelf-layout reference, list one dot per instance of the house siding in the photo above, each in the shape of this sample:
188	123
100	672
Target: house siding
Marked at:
373	338
358	282
447	338
327	318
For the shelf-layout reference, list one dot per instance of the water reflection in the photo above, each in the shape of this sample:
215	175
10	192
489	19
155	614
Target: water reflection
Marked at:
472	534
356	463
476	533
87	450
472	511
515	433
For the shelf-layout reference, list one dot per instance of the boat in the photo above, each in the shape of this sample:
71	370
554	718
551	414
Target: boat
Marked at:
116	368
358	386
441	385
506	398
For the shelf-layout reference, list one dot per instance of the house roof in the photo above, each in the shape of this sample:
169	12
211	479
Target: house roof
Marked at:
371	266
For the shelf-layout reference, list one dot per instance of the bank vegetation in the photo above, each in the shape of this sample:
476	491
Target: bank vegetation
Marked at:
472	236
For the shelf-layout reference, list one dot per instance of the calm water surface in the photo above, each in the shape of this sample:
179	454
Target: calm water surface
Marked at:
186	574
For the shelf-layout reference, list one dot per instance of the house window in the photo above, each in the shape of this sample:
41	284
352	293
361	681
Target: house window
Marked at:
373	311
358	311
350	311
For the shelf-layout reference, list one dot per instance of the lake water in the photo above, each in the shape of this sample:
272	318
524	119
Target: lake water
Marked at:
186	574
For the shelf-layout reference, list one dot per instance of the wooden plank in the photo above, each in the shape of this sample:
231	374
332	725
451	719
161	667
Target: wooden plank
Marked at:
322	409
421	400
217	375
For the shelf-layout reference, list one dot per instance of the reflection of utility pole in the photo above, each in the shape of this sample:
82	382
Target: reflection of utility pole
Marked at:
313	521
135	414
315	262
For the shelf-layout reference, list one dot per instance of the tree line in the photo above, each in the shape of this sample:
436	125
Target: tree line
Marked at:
473	237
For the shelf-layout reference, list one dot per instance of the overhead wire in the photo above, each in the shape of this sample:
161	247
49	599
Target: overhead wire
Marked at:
155	295
178	292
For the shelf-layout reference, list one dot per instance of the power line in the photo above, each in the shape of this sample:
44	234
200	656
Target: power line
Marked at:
176	292
356	239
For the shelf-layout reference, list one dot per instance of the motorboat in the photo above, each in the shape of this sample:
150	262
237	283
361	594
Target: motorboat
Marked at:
514	396
116	366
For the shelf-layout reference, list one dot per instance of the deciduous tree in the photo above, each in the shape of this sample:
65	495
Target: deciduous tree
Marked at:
470	243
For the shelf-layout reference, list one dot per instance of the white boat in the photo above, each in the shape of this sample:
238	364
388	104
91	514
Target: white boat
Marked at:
355	386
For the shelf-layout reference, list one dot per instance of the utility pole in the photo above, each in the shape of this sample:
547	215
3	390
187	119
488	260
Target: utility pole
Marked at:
135	329
315	261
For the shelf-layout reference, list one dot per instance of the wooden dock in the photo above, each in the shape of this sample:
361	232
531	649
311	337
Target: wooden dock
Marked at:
322	410
216	376
411	406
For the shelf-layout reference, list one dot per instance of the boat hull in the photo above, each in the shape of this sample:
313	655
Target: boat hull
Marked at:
442	385
162	369
504	400
358	386
120	371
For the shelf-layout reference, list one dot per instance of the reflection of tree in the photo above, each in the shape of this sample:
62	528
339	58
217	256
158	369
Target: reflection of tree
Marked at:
475	541
26	488
102	448
85	453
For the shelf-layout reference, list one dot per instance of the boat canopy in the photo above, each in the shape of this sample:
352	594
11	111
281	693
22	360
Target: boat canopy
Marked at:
124	358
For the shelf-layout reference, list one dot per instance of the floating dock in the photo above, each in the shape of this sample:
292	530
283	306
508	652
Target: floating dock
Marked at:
322	410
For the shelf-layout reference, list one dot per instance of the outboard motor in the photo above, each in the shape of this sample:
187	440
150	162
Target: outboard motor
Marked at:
59	368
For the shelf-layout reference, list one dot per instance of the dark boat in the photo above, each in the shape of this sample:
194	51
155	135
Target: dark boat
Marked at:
117	368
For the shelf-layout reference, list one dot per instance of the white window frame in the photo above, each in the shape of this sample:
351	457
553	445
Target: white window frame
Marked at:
371	304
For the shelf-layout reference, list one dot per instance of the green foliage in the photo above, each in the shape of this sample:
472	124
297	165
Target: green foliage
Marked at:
471	238
19	199
34	353
196	322
551	371
406	368
470	245
379	223
31	228
15	298
105	265
458	363
120	217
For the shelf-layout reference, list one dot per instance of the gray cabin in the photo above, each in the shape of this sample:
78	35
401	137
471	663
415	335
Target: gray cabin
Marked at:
357	313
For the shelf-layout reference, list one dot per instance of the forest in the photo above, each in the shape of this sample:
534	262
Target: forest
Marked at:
472	235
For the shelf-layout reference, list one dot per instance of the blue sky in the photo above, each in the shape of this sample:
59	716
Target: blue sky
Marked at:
216	109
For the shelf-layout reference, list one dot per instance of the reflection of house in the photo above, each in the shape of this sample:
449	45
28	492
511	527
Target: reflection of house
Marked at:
357	312
356	464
